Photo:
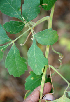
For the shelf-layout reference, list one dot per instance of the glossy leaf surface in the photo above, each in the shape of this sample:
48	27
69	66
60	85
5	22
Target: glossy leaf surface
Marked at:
16	65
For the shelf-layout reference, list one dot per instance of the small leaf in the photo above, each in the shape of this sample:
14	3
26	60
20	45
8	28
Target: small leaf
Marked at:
33	81
62	99
3	36
47	37
2	49
16	65
47	4
13	26
30	9
11	8
36	59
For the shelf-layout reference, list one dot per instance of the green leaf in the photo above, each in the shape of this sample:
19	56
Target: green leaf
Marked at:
30	9
36	59
16	65
13	26
47	37
41	2
2	49
11	8
68	94
65	71
3	36
62	99
49	3
33	81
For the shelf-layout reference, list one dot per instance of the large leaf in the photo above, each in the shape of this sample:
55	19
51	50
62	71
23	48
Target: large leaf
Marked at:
13	26
49	3
33	81
16	65
62	99
2	49
30	9
11	8
3	36
47	37
36	59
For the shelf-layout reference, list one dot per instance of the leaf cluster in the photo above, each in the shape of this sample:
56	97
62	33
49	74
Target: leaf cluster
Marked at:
16	64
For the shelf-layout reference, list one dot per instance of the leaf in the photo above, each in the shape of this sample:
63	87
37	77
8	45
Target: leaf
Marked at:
68	94
30	9
36	59
11	8
62	99
47	37
16	65
33	81
41	2
3	36
65	71
13	26
49	3
2	49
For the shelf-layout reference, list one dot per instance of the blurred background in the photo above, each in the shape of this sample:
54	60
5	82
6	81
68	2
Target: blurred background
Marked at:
12	89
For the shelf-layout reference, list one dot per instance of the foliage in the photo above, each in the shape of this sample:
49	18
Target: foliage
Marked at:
38	62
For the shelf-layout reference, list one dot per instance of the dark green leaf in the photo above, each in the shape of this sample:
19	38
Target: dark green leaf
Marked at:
41	2
11	8
2	49
49	3
47	37
36	59
33	81
16	65
3	36
13	26
30	9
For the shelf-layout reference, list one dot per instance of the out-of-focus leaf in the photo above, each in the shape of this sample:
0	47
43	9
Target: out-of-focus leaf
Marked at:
62	99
